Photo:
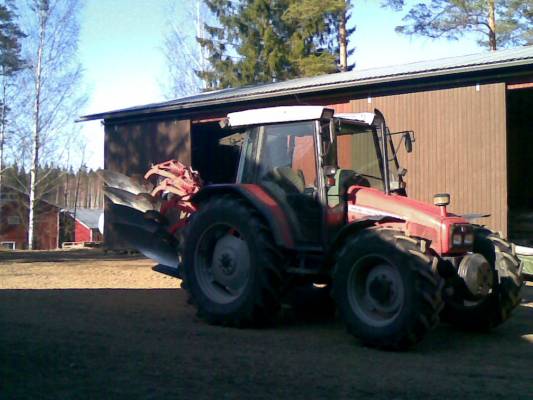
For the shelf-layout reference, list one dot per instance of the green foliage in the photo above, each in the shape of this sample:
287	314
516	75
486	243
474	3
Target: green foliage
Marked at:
261	41
10	36
314	45
451	19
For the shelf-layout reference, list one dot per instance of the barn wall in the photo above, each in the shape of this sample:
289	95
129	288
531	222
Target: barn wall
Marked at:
460	145
46	229
132	147
82	233
13	233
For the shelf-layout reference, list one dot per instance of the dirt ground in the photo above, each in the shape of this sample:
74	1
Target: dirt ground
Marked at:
86	325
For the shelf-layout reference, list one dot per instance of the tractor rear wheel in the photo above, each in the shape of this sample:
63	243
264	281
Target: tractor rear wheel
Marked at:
232	268
385	290
497	306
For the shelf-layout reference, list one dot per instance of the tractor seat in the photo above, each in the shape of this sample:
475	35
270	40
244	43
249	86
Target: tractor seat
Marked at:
344	178
288	179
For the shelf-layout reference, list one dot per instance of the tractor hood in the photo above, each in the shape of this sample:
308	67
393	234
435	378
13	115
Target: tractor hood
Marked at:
419	218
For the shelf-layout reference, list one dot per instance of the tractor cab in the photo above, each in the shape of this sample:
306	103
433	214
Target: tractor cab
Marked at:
307	158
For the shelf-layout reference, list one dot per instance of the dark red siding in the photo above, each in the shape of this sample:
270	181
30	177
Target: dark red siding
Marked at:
46	229
82	233
460	148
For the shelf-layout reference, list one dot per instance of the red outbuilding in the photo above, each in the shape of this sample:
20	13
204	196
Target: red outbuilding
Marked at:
14	223
80	225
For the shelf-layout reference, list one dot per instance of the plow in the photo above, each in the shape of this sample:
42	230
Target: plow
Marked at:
319	201
150	215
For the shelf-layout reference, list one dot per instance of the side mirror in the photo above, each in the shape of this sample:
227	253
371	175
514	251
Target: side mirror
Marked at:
408	141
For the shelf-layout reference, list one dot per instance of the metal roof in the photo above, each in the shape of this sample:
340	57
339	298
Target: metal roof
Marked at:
445	66
87	216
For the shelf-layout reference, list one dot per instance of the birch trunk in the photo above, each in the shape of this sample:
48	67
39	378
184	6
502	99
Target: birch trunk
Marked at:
2	132
37	130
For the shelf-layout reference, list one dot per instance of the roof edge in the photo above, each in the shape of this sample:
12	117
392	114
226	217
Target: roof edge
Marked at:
135	111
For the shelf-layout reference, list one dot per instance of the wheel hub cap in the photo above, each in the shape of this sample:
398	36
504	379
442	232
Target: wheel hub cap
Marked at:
376	291
381	286
222	264
226	263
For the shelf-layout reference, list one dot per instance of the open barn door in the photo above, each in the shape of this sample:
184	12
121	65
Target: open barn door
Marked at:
131	148
520	163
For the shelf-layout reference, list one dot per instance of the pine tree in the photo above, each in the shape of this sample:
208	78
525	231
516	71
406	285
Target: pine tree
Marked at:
10	37
261	41
10	63
319	42
500	23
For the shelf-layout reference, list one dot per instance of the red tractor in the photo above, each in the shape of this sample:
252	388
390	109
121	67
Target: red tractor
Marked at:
319	199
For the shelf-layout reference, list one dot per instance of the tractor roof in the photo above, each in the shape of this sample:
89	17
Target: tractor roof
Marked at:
366	117
272	115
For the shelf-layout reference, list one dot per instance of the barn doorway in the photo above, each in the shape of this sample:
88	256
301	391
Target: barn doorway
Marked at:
520	165
215	152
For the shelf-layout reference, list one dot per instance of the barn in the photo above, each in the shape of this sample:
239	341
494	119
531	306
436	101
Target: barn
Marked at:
469	115
80	225
14	222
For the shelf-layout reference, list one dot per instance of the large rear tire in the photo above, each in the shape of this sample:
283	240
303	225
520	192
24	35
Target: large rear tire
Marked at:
505	296
385	290
232	268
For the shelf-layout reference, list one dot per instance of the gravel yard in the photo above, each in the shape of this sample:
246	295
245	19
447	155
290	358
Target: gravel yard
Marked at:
89	325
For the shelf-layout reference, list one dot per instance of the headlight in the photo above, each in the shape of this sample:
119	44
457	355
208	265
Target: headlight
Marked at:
457	239
462	235
469	239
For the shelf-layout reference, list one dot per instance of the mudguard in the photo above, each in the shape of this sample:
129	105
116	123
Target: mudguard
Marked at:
258	198
351	229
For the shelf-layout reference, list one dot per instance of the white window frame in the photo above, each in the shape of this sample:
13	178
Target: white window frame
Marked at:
13	244
12	218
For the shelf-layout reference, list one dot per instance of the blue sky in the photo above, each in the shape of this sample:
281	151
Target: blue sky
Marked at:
120	49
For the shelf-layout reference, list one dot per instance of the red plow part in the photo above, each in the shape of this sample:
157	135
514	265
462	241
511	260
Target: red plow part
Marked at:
182	182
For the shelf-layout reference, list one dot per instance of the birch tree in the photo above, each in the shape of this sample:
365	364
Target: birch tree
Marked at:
53	81
183	53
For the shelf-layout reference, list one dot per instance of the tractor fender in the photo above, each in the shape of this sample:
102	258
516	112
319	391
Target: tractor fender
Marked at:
352	229
258	198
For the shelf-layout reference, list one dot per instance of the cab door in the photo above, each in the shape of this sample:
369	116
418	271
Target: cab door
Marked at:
282	159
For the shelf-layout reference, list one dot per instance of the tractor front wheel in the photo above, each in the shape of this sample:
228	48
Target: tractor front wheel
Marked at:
496	307
385	290
232	268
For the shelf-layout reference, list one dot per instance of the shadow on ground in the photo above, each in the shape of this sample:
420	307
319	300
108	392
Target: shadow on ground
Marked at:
147	344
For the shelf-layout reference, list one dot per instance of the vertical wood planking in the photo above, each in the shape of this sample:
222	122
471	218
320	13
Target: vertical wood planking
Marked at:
460	145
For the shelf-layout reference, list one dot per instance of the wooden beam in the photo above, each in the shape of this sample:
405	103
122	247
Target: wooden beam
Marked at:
203	121
515	86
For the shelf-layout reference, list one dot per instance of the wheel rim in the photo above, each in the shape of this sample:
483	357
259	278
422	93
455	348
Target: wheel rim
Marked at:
375	291
222	263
